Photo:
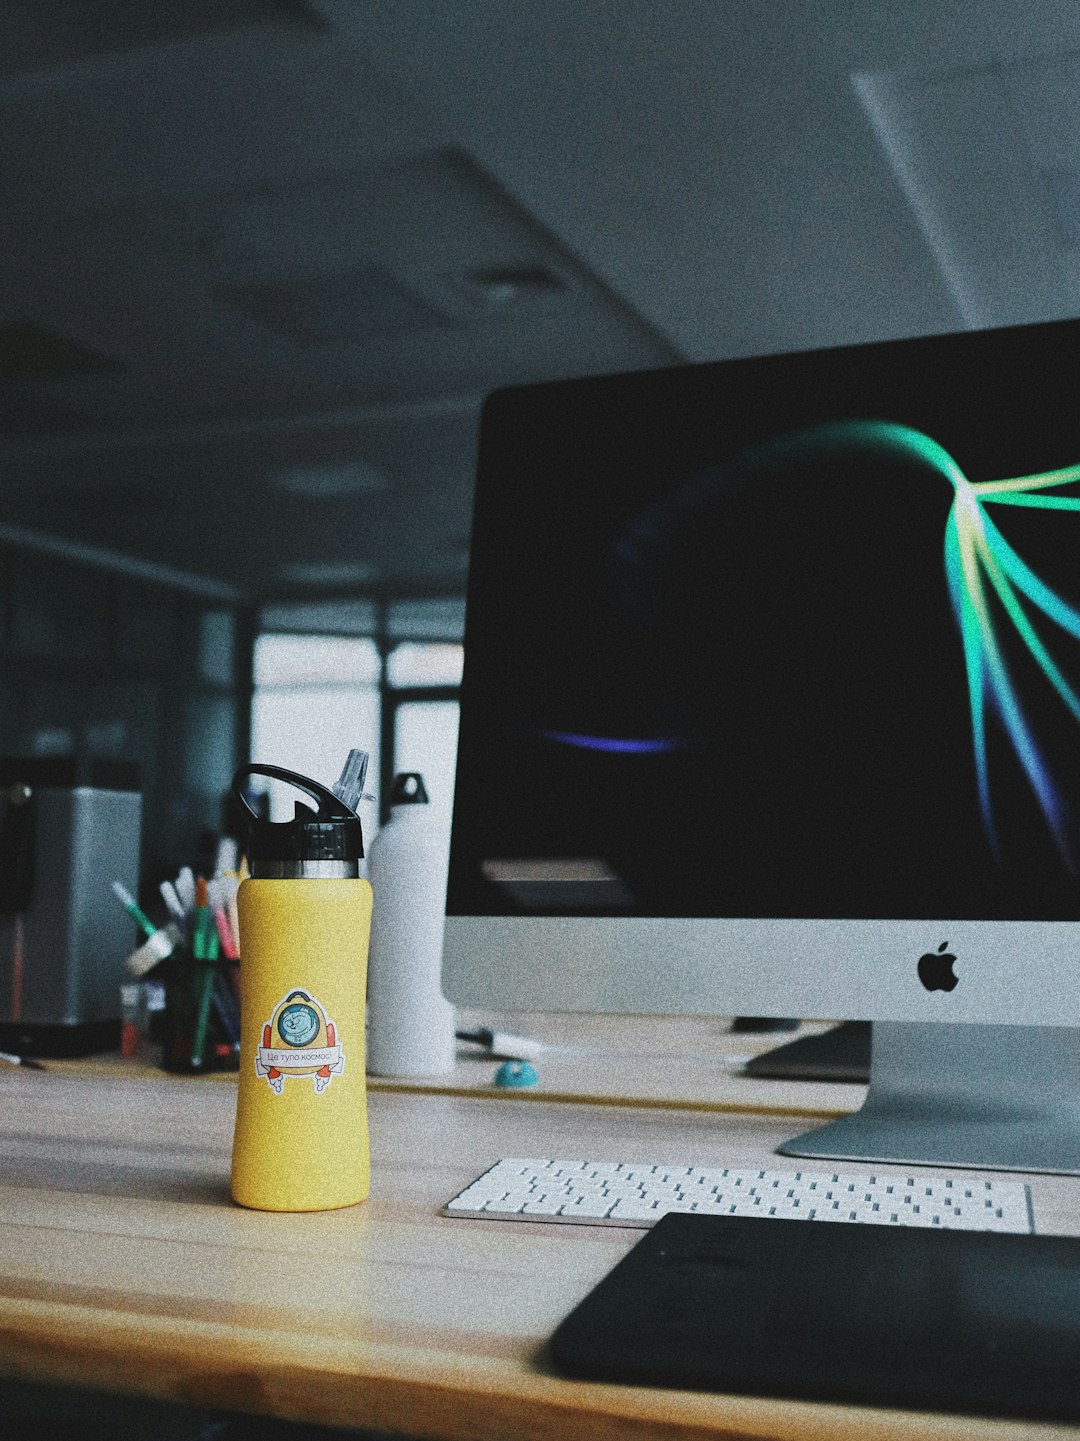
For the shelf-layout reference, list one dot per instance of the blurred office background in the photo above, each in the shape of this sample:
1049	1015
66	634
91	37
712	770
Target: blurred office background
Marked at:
261	261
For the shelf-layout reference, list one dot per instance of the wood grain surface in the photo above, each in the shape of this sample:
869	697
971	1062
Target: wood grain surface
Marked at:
124	1266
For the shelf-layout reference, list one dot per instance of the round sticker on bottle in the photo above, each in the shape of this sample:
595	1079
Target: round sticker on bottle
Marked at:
299	1040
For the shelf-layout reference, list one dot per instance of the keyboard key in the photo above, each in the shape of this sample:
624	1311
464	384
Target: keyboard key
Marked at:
593	1207
543	1206
636	1212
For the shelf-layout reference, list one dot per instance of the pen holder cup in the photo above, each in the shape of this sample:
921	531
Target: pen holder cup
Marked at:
202	1015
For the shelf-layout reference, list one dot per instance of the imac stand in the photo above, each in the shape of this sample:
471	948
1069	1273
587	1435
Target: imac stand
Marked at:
839	1054
1003	1098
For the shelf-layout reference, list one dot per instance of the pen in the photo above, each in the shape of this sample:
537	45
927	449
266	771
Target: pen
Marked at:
27	1061
224	1004
503	1043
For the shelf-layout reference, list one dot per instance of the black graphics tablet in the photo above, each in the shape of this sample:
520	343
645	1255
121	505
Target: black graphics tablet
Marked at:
964	1321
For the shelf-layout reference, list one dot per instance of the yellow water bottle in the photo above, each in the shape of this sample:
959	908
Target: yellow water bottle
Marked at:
301	1137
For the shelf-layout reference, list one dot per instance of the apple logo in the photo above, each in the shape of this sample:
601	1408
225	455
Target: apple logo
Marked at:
936	969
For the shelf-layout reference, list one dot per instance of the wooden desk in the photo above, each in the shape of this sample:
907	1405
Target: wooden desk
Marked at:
124	1266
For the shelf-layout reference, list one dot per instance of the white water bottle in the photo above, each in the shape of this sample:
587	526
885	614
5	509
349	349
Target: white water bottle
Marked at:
410	1021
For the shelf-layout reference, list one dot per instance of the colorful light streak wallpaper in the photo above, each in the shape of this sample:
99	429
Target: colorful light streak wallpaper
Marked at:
978	561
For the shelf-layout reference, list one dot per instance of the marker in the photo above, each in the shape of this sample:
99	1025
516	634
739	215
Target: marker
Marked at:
202	1017
204	947
228	853
224	930
230	885
185	887
152	952
215	898
127	900
201	923
158	944
173	903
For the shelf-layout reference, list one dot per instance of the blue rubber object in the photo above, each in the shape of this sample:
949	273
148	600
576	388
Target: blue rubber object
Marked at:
516	1073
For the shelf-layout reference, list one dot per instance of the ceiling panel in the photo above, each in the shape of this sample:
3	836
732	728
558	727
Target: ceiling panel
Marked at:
38	35
357	306
973	169
293	230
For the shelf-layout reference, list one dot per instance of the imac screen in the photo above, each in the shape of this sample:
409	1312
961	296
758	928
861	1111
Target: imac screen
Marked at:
796	636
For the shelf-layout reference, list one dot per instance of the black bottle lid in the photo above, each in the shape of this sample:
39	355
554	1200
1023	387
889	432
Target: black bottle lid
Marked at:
330	833
408	789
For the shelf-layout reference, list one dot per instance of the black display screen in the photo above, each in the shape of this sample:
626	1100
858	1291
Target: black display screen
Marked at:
796	636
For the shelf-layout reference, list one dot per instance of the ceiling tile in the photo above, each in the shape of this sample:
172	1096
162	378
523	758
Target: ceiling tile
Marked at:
45	34
35	352
961	158
329	308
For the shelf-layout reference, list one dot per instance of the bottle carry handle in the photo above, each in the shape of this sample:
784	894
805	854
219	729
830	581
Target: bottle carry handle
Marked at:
330	806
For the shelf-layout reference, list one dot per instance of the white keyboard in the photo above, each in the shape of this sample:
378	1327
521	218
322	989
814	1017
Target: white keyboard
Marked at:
622	1193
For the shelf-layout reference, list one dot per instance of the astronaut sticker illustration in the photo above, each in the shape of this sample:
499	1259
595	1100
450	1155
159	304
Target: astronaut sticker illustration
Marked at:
299	1039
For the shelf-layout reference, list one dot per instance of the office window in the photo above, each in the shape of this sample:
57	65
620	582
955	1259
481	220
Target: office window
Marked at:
318	696
425	663
423	681
425	740
297	660
217	647
210	733
315	699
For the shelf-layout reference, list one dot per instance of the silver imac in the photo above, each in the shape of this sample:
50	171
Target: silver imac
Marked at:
771	706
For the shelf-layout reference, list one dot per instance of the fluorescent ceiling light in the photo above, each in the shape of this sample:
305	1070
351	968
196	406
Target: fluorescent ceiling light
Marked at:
331	482
329	572
500	286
